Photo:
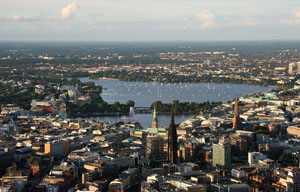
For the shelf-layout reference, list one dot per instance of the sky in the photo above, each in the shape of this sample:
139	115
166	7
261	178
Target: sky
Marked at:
149	20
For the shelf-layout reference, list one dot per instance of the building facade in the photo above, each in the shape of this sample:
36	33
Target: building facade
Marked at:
155	147
236	118
222	155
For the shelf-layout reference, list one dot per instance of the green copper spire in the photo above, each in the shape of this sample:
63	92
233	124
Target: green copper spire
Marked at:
154	113
154	120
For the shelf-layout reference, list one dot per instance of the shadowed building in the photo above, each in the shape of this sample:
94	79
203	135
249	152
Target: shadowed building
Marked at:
172	141
184	154
155	148
236	118
239	144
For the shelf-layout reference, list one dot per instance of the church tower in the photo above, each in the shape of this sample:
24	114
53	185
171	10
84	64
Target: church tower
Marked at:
236	118
154	120
172	140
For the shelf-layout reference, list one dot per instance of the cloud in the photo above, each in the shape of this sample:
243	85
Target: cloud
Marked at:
67	11
206	19
297	14
199	21
17	18
209	20
205	16
293	20
246	22
290	22
108	28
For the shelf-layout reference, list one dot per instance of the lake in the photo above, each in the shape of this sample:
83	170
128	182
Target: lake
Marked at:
146	119
145	93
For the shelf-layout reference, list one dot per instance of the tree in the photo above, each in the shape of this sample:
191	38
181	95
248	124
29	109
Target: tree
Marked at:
130	103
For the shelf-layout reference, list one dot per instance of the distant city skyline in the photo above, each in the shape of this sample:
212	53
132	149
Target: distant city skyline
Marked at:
154	20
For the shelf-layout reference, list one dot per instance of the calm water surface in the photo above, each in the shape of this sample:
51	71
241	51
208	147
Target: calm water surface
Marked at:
146	119
145	93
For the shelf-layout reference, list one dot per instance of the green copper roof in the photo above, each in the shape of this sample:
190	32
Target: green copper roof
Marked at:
152	130
130	170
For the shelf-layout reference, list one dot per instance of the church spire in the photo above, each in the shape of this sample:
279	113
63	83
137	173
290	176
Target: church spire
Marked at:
172	140
236	118
154	120
154	113
172	123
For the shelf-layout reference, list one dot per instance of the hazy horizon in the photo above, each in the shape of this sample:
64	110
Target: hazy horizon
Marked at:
141	20
149	41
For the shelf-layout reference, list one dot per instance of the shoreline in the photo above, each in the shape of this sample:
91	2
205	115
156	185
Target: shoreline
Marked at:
179	82
87	79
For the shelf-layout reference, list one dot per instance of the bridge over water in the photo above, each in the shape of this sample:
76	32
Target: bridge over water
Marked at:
139	110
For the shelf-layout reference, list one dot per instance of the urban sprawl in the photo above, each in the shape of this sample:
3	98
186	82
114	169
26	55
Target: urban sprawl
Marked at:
48	142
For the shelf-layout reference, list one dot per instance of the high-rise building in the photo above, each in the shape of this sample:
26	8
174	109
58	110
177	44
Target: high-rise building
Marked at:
155	147
291	68
222	155
172	141
154	120
298	67
254	157
236	118
239	144
184	154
